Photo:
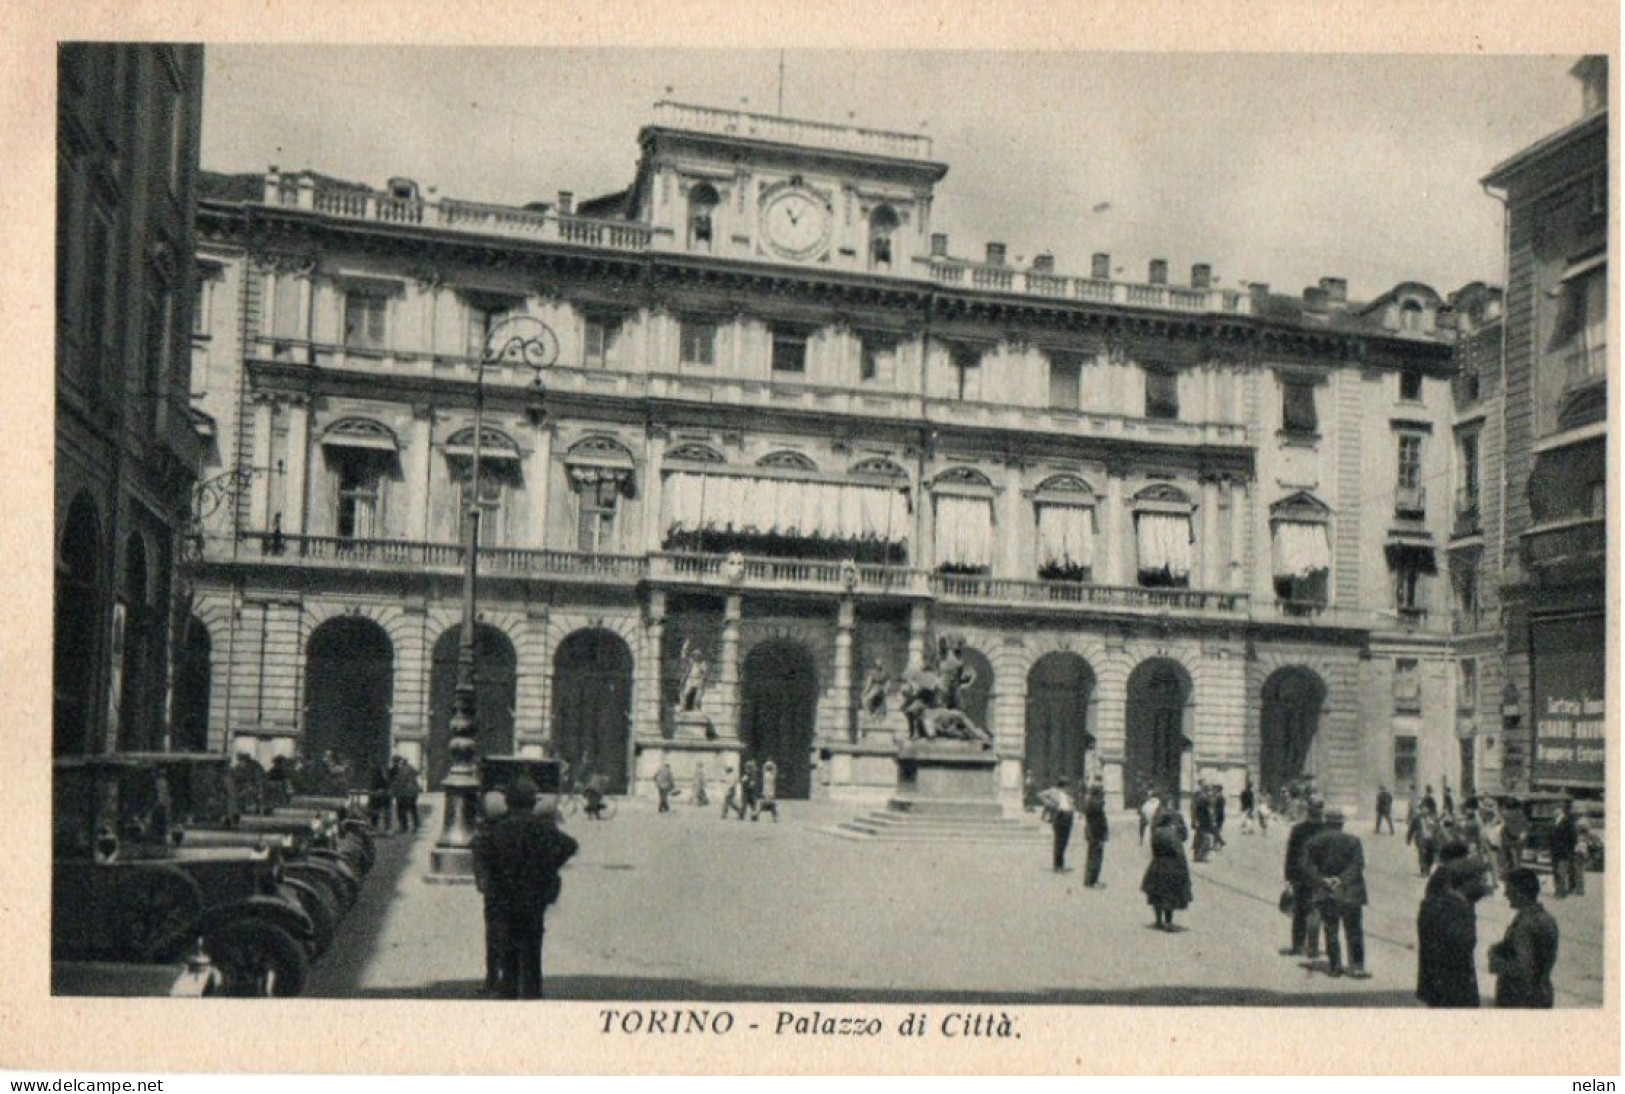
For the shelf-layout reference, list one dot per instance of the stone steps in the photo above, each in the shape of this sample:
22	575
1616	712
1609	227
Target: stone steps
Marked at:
892	825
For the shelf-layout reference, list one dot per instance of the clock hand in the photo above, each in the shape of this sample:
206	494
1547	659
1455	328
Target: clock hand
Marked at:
791	213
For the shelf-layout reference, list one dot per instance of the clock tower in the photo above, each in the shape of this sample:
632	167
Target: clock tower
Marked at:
780	190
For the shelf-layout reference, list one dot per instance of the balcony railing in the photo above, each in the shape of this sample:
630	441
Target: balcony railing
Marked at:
961	273
1020	592
810	575
1410	499
770	127
389	554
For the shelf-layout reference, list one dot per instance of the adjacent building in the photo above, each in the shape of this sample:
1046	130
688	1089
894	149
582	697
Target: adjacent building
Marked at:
1553	542
791	440
126	455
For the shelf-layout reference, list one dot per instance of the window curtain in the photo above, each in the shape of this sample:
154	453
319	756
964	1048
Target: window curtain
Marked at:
794	508
964	531
1165	544
1301	549
1066	536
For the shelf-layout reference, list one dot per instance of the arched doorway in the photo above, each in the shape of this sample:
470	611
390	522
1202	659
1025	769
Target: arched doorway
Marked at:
779	711
192	676
1060	718
1157	729
496	689
75	653
350	684
1290	715
592	704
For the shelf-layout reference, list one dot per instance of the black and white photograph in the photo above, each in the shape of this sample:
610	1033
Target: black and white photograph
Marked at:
770	544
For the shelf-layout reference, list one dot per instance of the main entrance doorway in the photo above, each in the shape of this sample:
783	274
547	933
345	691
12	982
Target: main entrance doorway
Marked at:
350	685
1158	706
1060	718
495	690
1288	720
778	712
592	705
78	613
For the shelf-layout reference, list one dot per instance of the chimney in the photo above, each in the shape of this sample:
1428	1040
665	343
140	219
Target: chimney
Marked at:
939	244
1259	291
1315	300
995	254
1044	263
1337	291
1201	276
1159	271
1100	266
567	203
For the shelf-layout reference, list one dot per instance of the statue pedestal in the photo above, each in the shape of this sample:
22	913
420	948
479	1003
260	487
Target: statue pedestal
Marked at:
691	725
888	728
947	778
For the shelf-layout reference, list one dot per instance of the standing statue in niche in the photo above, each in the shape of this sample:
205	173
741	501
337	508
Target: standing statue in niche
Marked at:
874	691
691	693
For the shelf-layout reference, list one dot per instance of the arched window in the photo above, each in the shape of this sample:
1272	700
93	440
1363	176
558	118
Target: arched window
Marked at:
1410	316
702	205
883	224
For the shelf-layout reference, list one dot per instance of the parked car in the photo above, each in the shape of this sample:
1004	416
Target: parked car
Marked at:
124	889
1541	809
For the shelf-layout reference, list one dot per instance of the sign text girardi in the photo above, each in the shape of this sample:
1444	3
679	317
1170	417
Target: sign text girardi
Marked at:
704	1021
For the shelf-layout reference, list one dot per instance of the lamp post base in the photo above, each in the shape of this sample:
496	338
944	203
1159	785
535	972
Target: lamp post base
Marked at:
453	858
450	866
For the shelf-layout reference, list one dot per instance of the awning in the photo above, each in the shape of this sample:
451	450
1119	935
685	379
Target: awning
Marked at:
1301	548
360	433
1066	535
1402	552
964	531
1165	543
494	445
794	508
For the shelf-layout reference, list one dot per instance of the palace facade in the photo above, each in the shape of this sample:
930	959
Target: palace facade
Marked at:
1182	530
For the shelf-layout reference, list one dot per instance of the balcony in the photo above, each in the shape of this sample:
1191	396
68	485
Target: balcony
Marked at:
992	277
338	553
1577	542
1008	592
785	574
1410	501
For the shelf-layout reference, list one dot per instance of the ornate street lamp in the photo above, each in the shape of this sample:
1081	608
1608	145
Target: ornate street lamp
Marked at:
520	341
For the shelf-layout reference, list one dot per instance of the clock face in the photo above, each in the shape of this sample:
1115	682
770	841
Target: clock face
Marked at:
796	224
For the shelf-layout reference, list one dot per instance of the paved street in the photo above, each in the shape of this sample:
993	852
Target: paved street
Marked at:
688	906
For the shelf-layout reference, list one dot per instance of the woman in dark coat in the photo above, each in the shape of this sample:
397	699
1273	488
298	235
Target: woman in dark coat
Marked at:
1167	882
1447	934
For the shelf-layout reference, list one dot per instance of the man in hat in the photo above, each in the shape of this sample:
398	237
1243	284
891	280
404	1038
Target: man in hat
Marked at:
1522	961
1385	810
1305	923
494	806
1334	868
1095	831
524	852
1447	933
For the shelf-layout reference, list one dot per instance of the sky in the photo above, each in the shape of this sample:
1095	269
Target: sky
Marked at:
1275	168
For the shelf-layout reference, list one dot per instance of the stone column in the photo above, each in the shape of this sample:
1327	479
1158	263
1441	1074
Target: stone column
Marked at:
1211	577
539	479
259	498
918	623
733	610
1111	531
297	488
654	645
845	617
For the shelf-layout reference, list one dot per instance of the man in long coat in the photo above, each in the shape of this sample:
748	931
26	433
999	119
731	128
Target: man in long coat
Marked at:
1522	961
1334	868
1095	831
1447	934
524	852
1305	927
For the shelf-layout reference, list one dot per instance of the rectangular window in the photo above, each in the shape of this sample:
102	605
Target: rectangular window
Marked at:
697	342
1467	594
596	527
99	282
1407	685
877	359
366	316
1408	584
967	365
360	475
789	351
1404	766
1467	683
603	338
1161	394
483	318
1410	386
1065	381
157	353
202	301
494	480
1469	473
1410	461
1298	407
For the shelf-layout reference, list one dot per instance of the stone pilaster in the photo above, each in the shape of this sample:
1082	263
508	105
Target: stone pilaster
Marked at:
297	487
728	681
845	617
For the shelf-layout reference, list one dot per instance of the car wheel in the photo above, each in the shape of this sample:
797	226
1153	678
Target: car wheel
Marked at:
257	958
156	913
317	901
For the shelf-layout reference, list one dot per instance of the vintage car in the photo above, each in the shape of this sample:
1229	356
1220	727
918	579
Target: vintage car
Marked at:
1540	808
124	890
501	772
1592	817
